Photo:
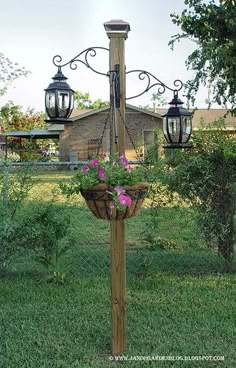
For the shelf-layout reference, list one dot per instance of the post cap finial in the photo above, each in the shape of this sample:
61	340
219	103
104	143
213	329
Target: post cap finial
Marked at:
117	26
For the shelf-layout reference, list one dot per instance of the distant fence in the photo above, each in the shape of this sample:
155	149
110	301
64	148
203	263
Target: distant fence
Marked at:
55	164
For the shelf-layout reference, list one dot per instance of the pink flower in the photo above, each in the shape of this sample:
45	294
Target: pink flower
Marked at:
85	169
119	190
103	155
129	168
123	160
94	163
125	200
101	174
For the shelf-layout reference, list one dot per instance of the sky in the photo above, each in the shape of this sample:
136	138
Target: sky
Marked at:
32	32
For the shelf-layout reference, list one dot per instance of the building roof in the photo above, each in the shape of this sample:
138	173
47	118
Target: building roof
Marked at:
81	114
35	134
210	115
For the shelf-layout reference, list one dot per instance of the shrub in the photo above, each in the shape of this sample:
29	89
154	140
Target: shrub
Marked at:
205	176
14	189
36	228
45	231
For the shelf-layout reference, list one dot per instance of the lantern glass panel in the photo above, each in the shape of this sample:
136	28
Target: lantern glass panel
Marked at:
72	102
174	128
186	128
165	122
63	103
51	103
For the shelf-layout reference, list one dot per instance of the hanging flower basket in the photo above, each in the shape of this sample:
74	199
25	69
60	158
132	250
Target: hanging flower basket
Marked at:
112	189
100	201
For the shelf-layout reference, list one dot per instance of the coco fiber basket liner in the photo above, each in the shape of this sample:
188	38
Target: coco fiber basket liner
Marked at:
99	201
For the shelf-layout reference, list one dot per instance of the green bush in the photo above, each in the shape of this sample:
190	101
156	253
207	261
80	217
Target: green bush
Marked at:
45	231
205	176
14	189
39	229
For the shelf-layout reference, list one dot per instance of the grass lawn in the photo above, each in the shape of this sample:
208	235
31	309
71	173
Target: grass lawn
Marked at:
179	302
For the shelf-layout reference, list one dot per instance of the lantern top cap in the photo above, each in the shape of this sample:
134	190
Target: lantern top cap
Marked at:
117	26
176	109
176	100
59	82
59	75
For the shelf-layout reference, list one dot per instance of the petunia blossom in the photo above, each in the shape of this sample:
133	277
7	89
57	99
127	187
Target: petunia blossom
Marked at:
119	190
123	160
93	162
125	200
85	169
129	168
101	174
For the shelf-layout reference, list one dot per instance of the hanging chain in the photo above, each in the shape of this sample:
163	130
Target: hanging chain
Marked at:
139	157
113	123
103	132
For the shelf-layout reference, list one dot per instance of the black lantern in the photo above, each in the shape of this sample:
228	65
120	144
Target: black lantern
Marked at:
177	125
59	99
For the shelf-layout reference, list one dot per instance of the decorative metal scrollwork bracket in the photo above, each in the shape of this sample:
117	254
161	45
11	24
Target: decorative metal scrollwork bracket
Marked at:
143	75
82	57
153	81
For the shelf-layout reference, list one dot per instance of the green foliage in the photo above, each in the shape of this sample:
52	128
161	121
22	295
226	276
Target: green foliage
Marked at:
14	189
58	263
162	198
159	100
84	101
39	229
158	243
9	72
205	176
12	118
212	27
8	240
45	230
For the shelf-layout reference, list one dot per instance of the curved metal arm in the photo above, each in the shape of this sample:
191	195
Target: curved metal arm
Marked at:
142	74
91	51
162	87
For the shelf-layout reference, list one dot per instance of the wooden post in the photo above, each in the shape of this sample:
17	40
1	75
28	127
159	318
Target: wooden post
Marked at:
118	257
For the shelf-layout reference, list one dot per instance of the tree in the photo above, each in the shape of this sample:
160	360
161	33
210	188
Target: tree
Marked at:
12	118
84	101
158	100
9	71
213	29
